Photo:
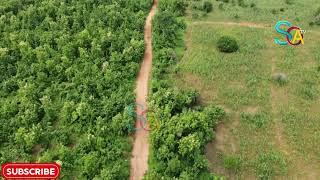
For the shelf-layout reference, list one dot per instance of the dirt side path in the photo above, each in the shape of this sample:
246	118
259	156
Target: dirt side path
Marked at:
140	152
243	24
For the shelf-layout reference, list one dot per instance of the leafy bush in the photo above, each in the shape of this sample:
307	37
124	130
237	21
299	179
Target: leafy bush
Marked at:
178	7
289	2
225	1
274	11
195	15
221	6
207	6
317	12
317	20
241	3
227	44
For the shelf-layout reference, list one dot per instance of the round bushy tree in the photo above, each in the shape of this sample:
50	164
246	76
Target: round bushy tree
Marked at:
227	44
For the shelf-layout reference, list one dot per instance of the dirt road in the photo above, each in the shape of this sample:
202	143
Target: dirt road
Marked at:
140	152
244	24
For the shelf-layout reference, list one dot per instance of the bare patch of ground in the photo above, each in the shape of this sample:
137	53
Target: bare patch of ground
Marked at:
252	109
224	143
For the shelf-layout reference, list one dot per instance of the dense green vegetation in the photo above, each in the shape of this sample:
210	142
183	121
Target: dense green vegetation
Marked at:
177	146
205	6
227	44
67	72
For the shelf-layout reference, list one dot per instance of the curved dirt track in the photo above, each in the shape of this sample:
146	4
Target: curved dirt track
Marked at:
140	152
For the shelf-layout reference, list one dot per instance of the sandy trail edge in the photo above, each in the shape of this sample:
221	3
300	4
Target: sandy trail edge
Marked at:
244	24
140	152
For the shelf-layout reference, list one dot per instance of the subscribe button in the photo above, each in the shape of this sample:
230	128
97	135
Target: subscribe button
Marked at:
30	170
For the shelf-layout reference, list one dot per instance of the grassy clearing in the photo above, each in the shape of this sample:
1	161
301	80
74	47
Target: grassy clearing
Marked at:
272	130
263	11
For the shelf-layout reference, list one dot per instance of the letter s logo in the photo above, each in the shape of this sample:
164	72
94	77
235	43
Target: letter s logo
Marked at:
277	27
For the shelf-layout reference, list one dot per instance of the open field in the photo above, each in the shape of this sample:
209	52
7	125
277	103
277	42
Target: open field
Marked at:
272	130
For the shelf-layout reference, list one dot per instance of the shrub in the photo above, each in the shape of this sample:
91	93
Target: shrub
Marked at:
221	6
252	5
318	12
227	44
195	15
317	21
196	6
241	3
207	6
289	2
232	163
225	1
236	16
280	78
274	11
